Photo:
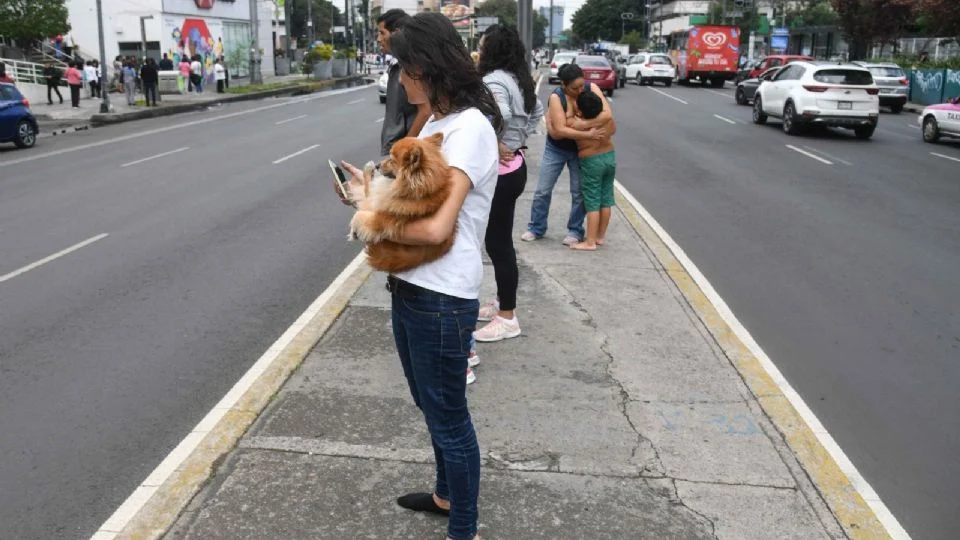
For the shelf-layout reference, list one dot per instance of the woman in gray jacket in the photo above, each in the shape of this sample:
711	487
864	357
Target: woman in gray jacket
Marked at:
506	73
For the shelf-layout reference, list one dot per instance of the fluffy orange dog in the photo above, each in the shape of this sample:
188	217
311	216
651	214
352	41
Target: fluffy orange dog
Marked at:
419	187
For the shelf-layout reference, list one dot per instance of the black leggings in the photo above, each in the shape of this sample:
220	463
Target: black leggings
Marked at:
499	238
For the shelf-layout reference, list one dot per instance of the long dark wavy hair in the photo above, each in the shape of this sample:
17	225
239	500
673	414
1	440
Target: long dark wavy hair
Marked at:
503	49
429	49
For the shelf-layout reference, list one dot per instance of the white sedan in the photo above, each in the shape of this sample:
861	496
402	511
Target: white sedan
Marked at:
940	120
648	68
382	83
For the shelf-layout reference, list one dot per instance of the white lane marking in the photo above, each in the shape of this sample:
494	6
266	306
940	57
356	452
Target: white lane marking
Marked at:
56	255
354	102
727	120
824	154
944	157
288	120
886	518
718	93
666	94
135	502
911	126
378	120
808	154
114	140
156	156
295	154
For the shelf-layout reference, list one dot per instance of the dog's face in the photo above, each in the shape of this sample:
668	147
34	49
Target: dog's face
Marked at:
414	162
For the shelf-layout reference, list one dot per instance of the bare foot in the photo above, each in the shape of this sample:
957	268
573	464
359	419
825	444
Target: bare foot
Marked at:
441	503
601	241
584	246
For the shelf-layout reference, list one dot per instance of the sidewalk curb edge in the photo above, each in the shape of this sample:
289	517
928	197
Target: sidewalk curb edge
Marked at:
857	518
160	506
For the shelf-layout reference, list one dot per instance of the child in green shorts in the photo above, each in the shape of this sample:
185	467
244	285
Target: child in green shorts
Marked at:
598	166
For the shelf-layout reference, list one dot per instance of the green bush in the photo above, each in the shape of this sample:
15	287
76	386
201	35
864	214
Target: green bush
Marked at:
913	61
320	53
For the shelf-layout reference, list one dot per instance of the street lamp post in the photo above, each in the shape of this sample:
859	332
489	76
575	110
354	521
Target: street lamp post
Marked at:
104	93
624	17
143	34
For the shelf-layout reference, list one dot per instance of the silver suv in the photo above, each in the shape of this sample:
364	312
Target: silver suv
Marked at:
893	84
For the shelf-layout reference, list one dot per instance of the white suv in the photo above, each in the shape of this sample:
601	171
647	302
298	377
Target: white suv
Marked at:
647	68
820	94
560	59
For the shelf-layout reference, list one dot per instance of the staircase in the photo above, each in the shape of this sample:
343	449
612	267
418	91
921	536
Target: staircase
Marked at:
47	53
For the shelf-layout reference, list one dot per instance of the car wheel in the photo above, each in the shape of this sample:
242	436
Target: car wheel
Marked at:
623	81
610	92
668	83
931	131
639	80
896	109
26	135
741	97
383	99
790	119
864	132
716	83
759	117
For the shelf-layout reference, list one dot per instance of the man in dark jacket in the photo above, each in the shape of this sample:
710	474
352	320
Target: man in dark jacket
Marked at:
166	64
149	77
52	74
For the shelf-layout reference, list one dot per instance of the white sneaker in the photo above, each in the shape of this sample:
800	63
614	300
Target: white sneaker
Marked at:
528	237
473	361
488	311
471	377
570	240
498	329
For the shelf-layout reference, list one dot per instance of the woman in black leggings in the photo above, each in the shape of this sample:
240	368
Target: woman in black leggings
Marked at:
507	75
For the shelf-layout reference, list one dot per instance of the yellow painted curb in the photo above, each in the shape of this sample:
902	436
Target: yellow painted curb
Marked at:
852	512
163	508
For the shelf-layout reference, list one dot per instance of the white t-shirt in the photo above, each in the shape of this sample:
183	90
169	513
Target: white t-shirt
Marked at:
220	72
469	144
196	68
91	73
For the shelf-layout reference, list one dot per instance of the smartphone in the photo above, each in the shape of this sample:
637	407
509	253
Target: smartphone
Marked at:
341	177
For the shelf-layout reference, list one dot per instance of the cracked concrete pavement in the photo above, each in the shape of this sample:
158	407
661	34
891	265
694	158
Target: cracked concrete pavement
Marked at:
614	415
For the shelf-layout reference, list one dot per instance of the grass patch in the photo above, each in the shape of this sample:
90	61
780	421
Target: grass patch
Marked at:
251	88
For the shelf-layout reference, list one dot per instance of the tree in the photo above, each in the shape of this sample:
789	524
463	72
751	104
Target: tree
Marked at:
634	39
322	21
600	19
26	20
540	24
506	10
814	13
571	40
941	17
865	22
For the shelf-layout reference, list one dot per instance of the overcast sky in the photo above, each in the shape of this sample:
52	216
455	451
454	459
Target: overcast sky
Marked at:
569	7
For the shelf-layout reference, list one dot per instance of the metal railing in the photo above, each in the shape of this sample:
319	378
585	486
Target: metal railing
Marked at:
24	72
49	53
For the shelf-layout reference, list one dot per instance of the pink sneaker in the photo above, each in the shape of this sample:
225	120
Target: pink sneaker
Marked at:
488	311
471	377
498	329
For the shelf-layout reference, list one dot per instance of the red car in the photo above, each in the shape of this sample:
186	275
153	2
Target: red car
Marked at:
775	60
597	70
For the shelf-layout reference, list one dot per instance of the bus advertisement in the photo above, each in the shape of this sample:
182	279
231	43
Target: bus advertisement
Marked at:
706	53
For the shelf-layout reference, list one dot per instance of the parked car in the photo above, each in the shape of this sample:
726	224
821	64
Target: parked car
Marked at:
382	86
619	64
746	66
747	88
893	84
649	68
941	120
775	60
559	59
597	70
17	124
820	94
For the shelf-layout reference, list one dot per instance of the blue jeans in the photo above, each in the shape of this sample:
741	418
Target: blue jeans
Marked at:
432	332
551	166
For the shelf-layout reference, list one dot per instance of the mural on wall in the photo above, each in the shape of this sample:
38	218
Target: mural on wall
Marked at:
189	37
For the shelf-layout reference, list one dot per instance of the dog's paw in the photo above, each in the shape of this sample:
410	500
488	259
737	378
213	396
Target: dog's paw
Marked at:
359	227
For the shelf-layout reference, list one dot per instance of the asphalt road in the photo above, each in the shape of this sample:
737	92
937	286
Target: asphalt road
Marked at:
111	353
846	273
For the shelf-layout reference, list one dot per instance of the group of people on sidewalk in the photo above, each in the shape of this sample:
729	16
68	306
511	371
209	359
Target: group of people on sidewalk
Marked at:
485	107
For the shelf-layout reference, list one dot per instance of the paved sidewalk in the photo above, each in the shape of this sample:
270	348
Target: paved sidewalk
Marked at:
614	415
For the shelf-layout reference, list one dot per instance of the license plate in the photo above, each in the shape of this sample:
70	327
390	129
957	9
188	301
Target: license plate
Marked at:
844	104
594	75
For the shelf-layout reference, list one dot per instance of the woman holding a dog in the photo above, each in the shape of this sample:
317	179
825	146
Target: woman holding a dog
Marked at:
506	72
435	305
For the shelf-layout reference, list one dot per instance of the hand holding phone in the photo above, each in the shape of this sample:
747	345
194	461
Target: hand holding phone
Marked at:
340	182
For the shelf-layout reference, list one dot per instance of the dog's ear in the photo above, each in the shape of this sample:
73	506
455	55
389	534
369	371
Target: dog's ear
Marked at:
436	139
411	159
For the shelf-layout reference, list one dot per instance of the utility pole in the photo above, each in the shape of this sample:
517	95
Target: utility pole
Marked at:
255	76
525	25
288	51
105	100
550	35
310	23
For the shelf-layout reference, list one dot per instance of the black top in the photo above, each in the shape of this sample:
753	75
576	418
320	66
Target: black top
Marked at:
52	74
568	145
399	114
148	73
166	64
